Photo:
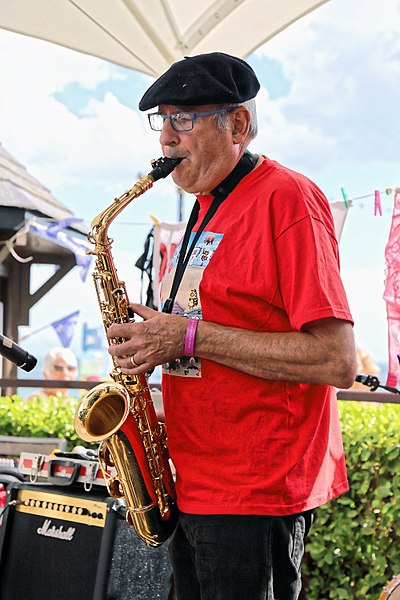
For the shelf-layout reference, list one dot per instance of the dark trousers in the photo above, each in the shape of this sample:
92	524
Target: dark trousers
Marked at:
234	557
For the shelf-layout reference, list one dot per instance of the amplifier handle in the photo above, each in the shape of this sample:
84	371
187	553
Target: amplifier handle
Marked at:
56	479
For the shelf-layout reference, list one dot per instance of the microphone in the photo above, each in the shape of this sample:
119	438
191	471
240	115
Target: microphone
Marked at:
16	354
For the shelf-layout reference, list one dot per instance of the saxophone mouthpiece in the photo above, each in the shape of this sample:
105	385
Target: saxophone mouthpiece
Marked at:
163	167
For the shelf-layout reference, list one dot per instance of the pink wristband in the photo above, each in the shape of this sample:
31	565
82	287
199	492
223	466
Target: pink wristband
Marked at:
190	336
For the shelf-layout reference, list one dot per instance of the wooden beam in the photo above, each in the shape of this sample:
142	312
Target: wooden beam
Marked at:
62	271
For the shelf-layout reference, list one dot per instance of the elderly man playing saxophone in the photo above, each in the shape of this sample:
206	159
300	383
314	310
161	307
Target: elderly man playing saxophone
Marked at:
254	335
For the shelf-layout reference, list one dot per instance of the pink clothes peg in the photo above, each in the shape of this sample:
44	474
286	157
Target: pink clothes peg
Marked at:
377	203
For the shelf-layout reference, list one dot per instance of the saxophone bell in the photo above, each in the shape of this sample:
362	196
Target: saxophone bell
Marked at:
106	415
101	412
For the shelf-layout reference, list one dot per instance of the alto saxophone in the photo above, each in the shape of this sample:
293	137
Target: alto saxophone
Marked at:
121	414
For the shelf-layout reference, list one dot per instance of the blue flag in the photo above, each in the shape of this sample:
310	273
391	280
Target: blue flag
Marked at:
55	232
92	338
65	328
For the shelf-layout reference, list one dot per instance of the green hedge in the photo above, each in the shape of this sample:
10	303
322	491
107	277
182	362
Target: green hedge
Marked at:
354	547
40	417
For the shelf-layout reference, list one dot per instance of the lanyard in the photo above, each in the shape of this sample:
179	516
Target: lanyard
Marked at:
243	167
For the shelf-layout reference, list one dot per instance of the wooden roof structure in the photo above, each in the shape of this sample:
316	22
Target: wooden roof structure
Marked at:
24	202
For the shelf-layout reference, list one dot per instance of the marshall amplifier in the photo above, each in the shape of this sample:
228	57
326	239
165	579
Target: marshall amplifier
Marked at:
66	544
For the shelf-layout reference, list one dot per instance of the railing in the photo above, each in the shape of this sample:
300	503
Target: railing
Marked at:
13	384
48	383
368	396
9	385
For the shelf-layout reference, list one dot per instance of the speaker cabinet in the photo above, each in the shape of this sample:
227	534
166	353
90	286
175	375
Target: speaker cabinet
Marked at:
58	544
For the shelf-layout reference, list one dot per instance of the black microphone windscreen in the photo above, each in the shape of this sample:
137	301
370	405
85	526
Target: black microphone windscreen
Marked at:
16	354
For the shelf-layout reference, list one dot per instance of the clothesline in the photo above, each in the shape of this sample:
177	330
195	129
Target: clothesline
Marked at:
376	195
388	192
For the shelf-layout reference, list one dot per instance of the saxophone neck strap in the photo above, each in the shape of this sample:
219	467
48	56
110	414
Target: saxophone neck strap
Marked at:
245	165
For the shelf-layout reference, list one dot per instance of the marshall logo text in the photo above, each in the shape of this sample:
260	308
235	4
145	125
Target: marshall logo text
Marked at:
56	532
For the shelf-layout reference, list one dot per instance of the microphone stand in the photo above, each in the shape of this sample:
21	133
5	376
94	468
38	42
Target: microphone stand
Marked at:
373	382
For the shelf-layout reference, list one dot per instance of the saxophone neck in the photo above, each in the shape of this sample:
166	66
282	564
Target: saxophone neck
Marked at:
101	223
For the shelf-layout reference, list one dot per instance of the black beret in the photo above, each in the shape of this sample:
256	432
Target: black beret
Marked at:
214	78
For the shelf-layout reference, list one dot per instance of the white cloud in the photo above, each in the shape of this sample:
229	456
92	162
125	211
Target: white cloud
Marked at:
36	68
57	145
343	64
290	142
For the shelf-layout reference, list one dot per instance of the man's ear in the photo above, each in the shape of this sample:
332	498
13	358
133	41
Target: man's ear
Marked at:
240	124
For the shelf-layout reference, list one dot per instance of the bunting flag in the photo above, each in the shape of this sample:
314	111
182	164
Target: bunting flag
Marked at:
166	239
339	212
392	293
159	247
65	328
145	264
54	231
92	338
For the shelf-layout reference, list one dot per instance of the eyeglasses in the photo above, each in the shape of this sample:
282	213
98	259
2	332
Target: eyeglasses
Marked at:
60	368
182	121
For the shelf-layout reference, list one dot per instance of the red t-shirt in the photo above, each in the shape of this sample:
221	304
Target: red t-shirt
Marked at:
241	444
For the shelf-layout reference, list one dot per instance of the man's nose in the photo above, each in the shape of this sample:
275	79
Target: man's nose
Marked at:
168	135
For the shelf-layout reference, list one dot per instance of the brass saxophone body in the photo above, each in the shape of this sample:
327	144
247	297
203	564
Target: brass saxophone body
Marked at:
121	414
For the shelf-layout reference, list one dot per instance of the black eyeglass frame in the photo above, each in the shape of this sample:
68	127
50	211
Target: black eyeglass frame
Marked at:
192	116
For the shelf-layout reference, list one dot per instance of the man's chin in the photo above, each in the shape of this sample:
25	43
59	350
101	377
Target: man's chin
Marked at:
180	181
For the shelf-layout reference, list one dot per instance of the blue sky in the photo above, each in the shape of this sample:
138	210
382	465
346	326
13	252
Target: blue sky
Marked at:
328	107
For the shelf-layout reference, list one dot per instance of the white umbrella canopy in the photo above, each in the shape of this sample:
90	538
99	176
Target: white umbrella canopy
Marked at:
149	35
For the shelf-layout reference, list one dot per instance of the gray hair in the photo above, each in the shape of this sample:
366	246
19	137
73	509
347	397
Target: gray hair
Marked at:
222	119
54	353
